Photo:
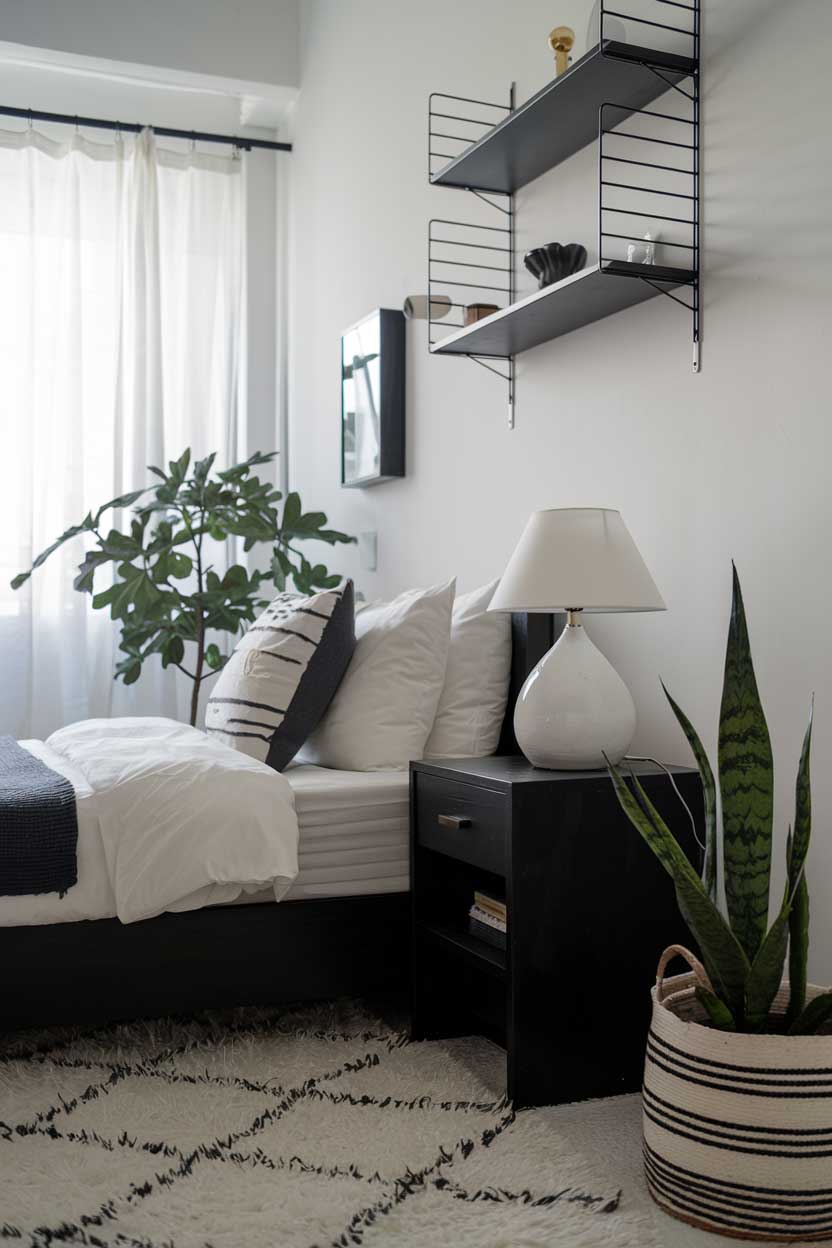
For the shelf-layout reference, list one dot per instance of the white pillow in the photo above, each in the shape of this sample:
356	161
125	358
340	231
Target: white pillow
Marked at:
386	703
472	705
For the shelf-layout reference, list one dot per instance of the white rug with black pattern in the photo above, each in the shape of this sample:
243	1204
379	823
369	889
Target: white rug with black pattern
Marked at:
293	1129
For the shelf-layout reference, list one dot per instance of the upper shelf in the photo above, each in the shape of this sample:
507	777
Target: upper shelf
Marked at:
563	117
557	309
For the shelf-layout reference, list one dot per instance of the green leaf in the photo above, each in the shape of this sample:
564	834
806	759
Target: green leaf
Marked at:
172	649
723	956
179	565
709	791
332	537
718	1012
84	581
106	597
235	577
120	545
797	852
73	531
132	673
746	778
213	657
798	949
291	511
203	466
123	500
814	1015
766	973
179	467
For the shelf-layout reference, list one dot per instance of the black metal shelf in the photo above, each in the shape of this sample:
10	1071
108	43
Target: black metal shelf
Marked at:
648	193
558	309
563	117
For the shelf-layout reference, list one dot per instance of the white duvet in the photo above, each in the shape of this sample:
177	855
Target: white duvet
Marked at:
168	819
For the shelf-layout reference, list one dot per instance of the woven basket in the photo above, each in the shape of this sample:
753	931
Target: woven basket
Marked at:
737	1128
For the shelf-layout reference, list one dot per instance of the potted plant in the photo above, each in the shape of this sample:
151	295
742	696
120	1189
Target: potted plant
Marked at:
165	590
738	1073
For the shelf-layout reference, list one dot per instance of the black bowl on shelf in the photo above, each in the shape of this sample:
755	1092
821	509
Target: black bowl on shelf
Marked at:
554	261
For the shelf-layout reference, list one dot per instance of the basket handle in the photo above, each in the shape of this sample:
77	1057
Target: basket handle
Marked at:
698	970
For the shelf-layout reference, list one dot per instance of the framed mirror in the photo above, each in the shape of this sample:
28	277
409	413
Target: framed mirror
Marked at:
372	399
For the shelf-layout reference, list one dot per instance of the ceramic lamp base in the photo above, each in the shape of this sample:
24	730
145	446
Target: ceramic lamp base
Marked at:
574	707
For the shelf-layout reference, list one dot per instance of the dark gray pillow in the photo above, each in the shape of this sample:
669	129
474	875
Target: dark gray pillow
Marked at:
284	671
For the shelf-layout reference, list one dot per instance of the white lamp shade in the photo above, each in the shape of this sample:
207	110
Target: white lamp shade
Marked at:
576	558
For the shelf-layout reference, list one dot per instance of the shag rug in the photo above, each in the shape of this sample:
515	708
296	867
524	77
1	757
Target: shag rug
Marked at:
303	1128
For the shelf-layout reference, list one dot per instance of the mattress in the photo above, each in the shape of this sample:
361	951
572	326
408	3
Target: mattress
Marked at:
354	835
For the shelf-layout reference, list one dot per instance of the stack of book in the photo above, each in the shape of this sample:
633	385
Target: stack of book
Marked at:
487	920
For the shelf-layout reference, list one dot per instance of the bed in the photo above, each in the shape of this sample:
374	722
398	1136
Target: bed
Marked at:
342	929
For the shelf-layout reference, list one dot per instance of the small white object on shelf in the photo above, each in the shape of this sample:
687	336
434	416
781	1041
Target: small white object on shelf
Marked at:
574	709
643	253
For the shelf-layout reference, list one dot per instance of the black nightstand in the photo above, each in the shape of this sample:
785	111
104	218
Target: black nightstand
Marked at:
589	911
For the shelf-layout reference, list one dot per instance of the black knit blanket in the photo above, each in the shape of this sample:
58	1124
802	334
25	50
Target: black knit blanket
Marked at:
38	825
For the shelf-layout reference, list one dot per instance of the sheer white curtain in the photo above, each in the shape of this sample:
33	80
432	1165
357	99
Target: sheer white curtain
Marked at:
121	315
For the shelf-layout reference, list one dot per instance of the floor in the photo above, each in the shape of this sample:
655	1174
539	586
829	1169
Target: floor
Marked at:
313	1127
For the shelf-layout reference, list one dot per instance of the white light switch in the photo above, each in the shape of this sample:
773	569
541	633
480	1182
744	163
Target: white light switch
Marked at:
368	551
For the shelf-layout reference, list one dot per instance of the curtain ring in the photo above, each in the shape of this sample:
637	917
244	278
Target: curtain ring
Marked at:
193	141
31	120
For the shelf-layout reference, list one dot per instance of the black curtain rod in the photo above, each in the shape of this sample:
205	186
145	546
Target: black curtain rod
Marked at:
30	114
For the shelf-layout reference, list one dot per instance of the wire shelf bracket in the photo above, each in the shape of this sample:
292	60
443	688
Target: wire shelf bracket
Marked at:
683	134
489	249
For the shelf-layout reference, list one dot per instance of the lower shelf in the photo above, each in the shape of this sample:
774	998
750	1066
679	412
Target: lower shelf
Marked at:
466	946
557	309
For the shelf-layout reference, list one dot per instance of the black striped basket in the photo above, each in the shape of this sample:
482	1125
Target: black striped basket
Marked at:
737	1128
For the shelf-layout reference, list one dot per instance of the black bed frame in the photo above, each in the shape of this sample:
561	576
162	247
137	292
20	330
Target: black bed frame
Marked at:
256	954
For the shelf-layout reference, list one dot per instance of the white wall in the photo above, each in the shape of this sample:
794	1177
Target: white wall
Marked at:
731	463
255	40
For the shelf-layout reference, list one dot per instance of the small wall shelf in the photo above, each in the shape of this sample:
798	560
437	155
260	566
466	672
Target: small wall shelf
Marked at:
563	117
510	147
578	300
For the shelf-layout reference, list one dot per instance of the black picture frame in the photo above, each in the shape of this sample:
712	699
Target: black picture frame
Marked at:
372	417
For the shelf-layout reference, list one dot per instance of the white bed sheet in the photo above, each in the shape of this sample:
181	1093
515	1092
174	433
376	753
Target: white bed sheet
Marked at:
354	837
161	823
353	841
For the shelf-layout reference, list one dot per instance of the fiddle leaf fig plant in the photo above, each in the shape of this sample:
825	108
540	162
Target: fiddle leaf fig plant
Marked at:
168	595
743	956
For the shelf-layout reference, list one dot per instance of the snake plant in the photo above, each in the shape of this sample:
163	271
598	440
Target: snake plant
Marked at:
744	957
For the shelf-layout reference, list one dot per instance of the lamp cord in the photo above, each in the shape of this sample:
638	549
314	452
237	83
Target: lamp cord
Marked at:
633	758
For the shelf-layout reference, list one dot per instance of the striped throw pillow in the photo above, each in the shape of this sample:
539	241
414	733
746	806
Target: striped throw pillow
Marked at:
282	675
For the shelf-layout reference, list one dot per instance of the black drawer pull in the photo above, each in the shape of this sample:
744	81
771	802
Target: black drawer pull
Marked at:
453	821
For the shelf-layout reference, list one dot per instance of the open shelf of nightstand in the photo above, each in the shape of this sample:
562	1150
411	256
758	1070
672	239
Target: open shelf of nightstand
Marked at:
469	948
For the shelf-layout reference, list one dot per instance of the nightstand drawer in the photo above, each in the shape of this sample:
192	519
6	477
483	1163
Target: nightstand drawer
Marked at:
462	821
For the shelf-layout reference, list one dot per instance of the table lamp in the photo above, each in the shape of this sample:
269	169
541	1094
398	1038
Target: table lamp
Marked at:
574	707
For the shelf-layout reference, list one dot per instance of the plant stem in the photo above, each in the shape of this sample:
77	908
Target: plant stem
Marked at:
200	629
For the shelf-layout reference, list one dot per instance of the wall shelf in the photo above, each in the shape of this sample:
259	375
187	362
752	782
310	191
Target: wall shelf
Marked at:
648	192
578	300
563	117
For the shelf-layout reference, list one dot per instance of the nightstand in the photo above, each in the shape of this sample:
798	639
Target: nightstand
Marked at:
589	911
